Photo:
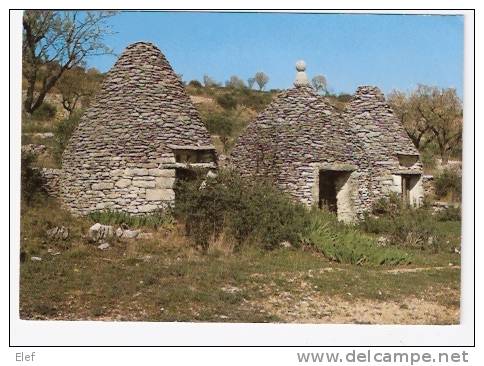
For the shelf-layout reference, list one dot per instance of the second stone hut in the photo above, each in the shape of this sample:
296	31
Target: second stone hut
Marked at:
344	161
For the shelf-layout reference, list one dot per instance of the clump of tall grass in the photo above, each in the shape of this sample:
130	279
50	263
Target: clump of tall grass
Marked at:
345	243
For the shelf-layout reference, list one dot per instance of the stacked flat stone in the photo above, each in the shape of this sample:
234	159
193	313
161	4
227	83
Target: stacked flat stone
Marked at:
300	133
119	156
297	130
383	139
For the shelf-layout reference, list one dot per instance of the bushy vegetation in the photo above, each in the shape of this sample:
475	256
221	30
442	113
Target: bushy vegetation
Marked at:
448	184
195	84
449	214
111	217
62	133
347	244
45	112
219	124
32	182
407	227
227	101
252	211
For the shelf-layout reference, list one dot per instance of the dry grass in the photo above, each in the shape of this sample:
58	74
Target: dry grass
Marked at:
164	278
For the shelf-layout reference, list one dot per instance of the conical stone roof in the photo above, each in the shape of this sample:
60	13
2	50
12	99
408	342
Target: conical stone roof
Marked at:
141	109
368	112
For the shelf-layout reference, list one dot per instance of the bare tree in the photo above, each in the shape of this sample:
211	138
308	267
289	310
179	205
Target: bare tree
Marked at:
56	41
235	82
209	81
319	83
261	79
250	82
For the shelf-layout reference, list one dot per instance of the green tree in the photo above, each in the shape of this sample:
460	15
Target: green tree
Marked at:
57	41
406	109
431	115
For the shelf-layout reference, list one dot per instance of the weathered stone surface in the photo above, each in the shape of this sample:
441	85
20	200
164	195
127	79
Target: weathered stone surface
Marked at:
144	183
140	171
103	246
147	208
123	183
125	134
98	232
103	185
160	194
58	233
301	134
51	179
126	233
164	182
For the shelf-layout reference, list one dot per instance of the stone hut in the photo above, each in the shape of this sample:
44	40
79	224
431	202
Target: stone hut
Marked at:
139	135
320	156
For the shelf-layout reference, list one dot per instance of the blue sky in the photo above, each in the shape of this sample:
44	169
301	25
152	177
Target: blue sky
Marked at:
390	51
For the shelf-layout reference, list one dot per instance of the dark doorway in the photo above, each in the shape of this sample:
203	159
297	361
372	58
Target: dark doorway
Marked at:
406	187
327	190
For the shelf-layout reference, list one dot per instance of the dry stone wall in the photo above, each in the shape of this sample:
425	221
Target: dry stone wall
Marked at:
119	157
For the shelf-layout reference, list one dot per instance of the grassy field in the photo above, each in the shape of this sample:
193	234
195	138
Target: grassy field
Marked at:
164	278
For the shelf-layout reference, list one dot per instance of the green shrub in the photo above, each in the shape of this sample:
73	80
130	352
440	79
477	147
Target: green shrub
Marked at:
449	214
428	159
219	124
154	220
346	244
411	228
255	100
251	210
62	133
390	205
46	111
195	84
227	101
448	184
32	181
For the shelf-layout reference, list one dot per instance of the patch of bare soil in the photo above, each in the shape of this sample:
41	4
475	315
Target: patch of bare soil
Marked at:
307	305
315	308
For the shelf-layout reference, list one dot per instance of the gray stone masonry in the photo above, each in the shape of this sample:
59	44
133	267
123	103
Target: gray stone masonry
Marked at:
119	156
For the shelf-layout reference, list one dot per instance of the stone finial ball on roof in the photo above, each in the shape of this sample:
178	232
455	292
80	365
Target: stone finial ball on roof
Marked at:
301	65
301	77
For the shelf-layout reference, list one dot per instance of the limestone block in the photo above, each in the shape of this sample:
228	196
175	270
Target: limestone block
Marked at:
144	183
102	185
146	208
165	182
140	171
123	183
117	172
167	173
160	194
155	172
